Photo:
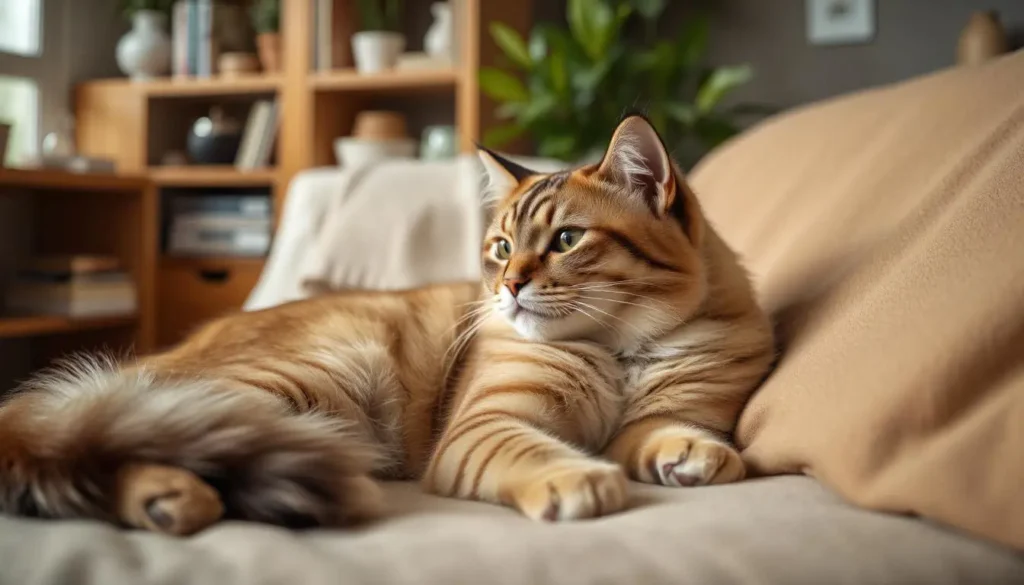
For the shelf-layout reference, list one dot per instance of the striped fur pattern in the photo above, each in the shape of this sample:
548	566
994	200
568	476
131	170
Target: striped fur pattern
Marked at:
614	336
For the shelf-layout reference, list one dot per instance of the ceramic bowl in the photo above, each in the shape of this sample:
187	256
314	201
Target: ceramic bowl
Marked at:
355	152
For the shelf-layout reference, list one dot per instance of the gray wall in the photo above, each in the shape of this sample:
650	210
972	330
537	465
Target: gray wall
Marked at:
911	37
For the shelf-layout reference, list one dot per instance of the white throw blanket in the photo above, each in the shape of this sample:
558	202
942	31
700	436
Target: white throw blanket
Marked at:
393	225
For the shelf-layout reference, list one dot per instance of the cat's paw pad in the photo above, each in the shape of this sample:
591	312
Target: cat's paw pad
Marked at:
684	459
573	490
166	499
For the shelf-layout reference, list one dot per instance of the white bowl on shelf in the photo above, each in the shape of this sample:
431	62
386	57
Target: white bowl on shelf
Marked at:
353	152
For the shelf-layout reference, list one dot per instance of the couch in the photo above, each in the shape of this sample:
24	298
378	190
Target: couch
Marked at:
885	233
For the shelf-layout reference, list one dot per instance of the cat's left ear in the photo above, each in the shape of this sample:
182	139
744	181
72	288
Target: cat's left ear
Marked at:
503	175
638	162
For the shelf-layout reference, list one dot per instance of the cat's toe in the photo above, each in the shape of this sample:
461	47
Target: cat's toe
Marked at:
164	499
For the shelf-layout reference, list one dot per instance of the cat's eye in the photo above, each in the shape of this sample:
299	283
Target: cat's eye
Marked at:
567	239
501	249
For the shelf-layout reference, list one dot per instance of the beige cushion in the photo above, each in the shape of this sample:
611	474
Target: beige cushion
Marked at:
785	531
886	234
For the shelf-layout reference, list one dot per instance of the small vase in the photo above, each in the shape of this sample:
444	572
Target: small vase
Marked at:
145	51
438	41
269	47
376	51
982	39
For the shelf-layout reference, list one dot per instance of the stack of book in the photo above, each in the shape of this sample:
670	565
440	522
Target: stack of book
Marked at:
219	225
257	145
72	286
194	39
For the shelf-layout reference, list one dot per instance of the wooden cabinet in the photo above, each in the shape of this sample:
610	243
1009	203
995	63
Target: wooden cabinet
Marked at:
194	291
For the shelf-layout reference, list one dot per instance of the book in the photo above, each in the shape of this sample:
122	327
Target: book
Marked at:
179	38
250	206
335	23
207	41
80	296
255	129
219	242
71	264
219	221
267	138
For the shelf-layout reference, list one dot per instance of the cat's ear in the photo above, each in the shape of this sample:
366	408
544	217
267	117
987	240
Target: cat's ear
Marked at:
638	162
502	174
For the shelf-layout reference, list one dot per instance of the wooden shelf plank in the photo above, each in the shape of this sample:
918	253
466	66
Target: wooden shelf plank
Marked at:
211	176
351	80
195	87
52	180
31	326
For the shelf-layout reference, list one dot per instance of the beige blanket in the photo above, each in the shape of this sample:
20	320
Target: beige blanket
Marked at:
886	233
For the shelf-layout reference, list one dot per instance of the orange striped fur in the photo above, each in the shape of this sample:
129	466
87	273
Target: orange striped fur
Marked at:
615	335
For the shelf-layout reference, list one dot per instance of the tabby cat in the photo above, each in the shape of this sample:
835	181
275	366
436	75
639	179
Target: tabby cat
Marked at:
615	336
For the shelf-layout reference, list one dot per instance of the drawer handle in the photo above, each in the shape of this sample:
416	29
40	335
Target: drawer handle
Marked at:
214	276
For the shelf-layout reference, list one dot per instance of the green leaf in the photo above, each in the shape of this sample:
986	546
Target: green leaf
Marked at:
509	110
559	71
721	82
593	25
537	110
561	147
512	44
693	42
502	86
501	135
682	112
649	9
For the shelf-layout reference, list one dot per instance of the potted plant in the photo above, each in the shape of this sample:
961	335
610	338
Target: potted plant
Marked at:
378	44
266	21
145	51
580	81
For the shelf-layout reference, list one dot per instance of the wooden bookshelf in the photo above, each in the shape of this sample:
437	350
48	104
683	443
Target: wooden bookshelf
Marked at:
33	326
48	212
137	123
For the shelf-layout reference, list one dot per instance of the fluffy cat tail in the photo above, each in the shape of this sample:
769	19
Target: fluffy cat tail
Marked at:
72	437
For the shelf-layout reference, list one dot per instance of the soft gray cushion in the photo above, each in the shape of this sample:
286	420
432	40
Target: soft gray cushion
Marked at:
786	530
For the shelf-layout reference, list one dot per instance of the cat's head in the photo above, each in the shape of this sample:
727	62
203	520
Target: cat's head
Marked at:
609	252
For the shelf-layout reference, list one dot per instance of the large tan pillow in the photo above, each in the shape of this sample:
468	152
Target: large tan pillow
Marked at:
885	231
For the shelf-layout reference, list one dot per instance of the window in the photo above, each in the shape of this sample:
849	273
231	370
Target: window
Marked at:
20	66
19	27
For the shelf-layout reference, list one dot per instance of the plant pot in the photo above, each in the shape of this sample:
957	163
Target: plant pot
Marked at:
269	47
145	51
376	51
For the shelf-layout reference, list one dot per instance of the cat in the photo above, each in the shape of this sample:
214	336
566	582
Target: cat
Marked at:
615	336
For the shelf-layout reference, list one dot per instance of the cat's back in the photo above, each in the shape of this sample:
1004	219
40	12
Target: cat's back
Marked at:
338	318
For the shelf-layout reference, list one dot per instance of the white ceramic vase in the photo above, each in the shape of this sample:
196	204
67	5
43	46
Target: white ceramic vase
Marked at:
438	41
145	51
376	51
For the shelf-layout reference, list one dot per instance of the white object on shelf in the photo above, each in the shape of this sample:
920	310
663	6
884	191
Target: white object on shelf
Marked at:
356	152
439	39
835	22
376	51
145	52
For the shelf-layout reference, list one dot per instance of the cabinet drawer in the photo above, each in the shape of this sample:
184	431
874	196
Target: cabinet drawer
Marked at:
191	292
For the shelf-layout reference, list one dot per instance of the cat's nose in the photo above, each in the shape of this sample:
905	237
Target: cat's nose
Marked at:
516	284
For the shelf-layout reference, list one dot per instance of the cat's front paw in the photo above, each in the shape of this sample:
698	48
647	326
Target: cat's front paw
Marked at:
685	457
571	490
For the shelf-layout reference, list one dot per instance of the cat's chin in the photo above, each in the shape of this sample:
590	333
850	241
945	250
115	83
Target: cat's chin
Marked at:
536	327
